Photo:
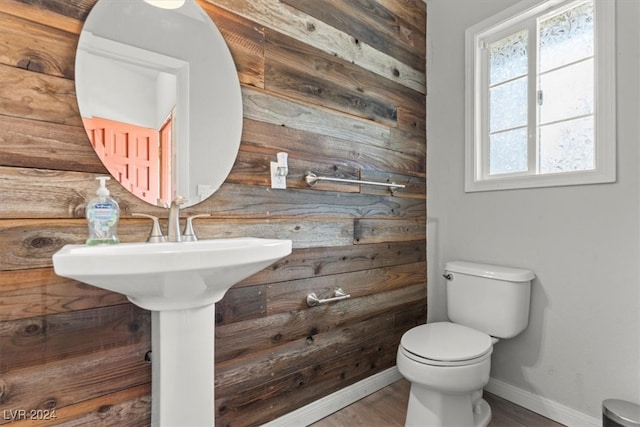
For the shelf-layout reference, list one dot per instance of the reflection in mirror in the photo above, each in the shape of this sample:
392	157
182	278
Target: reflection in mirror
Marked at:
166	4
159	97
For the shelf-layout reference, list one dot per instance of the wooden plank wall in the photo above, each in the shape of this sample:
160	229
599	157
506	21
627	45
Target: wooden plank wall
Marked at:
340	86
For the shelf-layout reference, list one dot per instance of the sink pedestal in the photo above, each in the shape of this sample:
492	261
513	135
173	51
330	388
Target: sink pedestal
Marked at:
180	282
182	367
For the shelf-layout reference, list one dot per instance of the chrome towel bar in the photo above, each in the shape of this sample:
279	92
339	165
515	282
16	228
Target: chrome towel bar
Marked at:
313	300
312	179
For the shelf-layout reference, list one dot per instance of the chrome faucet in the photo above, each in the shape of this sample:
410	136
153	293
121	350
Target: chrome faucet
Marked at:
173	226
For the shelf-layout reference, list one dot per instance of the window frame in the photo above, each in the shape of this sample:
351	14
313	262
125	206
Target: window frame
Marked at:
509	21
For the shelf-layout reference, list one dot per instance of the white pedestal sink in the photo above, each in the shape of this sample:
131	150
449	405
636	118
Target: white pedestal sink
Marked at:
180	283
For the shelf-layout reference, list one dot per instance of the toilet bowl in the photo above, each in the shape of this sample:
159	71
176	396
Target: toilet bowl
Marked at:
448	363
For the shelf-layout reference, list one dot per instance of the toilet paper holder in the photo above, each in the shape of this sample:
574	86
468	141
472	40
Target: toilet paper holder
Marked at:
338	295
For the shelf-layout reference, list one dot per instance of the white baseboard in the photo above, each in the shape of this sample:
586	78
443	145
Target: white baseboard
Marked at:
541	405
319	409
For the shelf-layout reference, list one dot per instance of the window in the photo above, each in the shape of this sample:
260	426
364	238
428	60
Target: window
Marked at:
540	96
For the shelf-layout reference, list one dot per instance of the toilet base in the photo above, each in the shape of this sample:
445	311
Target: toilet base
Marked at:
428	408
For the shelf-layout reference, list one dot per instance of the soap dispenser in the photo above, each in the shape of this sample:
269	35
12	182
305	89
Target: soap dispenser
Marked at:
103	213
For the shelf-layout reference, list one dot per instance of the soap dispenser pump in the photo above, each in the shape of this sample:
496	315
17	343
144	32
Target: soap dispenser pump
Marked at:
103	214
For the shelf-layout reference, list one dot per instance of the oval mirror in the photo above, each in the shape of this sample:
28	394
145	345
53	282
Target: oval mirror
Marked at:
160	98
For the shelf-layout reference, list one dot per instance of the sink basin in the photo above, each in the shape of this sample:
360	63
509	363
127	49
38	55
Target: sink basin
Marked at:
169	275
180	283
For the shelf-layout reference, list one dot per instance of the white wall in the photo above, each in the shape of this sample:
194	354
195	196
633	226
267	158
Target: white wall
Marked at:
583	242
129	103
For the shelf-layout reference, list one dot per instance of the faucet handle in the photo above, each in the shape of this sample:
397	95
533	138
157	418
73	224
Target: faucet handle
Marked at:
189	235
156	234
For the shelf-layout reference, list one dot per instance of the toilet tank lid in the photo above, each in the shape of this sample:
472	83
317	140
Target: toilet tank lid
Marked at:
490	271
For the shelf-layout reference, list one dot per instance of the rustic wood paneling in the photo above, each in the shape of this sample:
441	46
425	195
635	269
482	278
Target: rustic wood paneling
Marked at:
313	262
66	198
289	296
37	47
66	15
45	145
330	359
369	21
267	332
272	137
302	72
37	96
242	373
376	230
40	292
261	106
300	26
40	340
245	40
340	87
73	380
129	407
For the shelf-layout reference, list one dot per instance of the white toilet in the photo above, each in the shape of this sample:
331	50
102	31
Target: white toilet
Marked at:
448	363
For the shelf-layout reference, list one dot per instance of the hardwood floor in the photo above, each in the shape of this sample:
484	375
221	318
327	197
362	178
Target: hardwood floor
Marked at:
387	408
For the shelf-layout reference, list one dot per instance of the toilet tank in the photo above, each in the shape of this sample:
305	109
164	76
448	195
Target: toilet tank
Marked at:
489	298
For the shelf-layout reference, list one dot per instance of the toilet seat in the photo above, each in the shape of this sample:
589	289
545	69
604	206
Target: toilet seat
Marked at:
446	344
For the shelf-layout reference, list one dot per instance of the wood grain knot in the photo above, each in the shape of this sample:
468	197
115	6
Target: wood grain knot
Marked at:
34	329
50	404
31	64
4	391
299	380
277	337
219	317
78	207
42	242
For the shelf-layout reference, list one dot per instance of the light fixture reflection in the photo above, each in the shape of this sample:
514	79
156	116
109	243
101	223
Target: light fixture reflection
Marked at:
166	4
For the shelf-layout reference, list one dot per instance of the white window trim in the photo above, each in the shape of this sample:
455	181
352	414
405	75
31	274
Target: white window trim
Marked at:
605	102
